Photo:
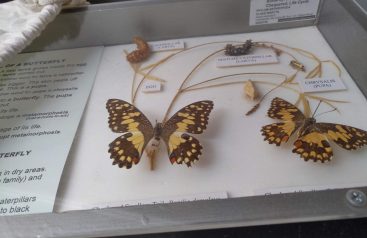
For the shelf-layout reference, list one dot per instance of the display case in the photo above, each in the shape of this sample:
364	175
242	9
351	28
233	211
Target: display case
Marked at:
240	180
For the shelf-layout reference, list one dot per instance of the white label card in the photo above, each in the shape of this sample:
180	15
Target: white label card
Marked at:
230	61
152	86
301	189
173	199
321	84
166	45
277	11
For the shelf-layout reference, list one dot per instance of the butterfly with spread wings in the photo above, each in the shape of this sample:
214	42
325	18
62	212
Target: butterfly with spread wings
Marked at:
312	141
128	148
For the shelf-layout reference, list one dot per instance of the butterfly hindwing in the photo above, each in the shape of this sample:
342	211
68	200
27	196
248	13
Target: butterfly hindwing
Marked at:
126	118
191	119
313	146
126	150
278	133
347	137
183	148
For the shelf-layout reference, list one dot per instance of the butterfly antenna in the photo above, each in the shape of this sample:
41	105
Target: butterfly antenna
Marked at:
254	108
326	112
316	109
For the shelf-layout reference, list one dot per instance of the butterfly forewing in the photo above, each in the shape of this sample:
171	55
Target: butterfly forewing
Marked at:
285	111
192	119
349	138
291	116
183	148
126	118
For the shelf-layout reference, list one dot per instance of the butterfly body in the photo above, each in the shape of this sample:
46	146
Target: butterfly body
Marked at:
313	137
137	130
158	131
309	125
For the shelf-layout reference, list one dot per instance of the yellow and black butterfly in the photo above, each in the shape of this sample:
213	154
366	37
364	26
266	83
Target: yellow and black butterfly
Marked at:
312	138
128	148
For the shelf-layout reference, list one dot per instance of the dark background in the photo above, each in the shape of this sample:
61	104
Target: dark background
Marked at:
353	228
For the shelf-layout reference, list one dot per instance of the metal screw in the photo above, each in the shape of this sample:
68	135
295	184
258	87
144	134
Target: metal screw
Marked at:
356	198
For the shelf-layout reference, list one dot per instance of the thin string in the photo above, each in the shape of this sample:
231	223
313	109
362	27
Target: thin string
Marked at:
180	90
316	71
154	66
230	75
318	68
170	57
185	80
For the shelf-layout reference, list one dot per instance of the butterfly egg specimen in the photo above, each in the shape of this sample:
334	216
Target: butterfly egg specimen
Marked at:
313	137
235	50
141	53
250	90
127	149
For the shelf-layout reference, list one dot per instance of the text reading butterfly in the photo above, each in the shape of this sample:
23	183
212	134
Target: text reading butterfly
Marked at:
128	148
312	137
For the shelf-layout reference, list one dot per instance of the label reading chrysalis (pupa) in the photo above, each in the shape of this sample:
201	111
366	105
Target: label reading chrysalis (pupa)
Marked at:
321	84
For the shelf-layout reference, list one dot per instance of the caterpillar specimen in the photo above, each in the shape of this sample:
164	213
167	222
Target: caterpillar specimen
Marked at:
235	50
141	53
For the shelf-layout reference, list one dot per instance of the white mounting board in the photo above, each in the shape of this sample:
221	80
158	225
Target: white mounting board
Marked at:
235	158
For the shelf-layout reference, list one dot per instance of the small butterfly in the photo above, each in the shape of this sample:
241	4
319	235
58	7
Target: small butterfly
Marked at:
313	137
128	148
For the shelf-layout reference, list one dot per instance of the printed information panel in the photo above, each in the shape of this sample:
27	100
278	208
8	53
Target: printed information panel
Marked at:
42	97
276	11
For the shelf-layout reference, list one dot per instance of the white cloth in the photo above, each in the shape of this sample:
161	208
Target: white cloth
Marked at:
21	21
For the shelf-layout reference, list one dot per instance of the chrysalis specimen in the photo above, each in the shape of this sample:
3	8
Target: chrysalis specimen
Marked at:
250	90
